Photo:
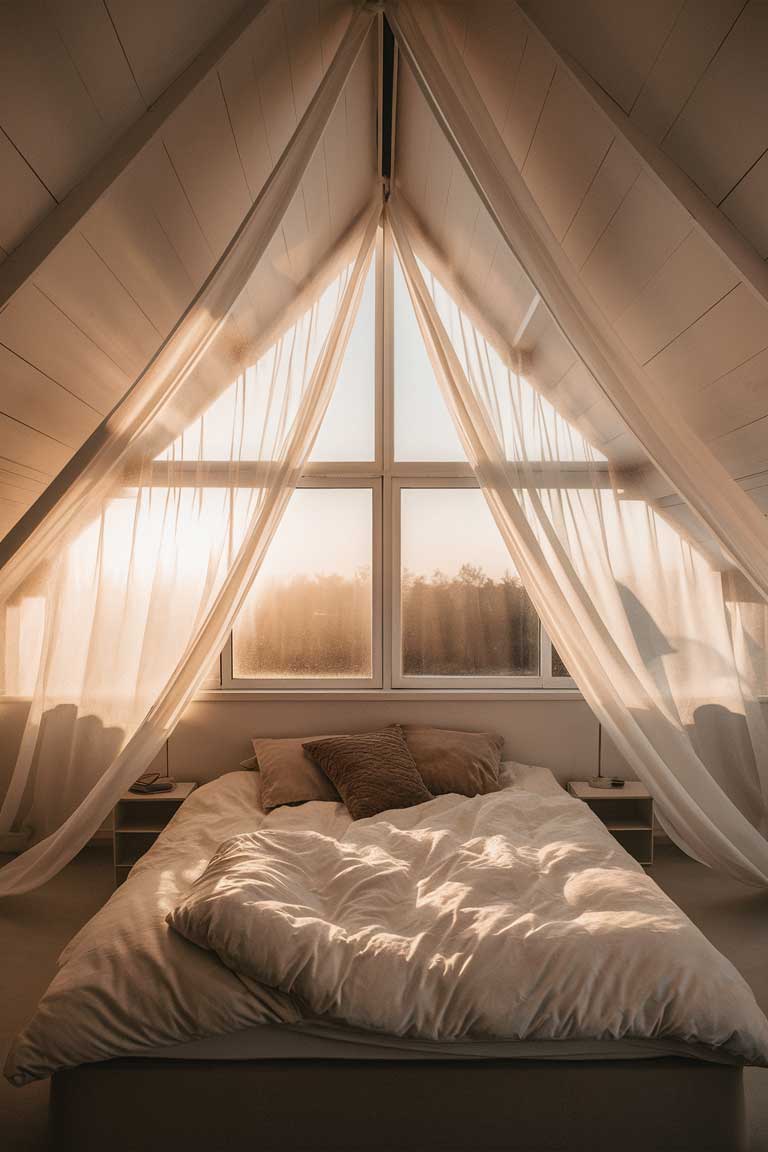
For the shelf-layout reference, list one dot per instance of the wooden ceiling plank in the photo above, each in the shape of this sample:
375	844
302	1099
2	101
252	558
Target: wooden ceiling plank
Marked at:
22	263
41	403
274	82
46	109
31	448
24	199
15	495
534	76
691	46
670	177
95	49
165	195
745	448
735	399
24	471
83	287
729	334
641	236
568	148
691	282
334	17
129	238
618	43
747	205
238	73
611	185
67	355
201	146
729	105
302	36
160	41
493	50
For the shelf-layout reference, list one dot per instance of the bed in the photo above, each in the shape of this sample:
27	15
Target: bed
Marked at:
142	1025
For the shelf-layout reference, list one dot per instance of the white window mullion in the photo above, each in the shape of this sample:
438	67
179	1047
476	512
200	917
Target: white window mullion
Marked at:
386	478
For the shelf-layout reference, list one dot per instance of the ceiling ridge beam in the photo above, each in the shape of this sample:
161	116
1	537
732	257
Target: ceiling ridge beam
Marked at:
707	216
26	258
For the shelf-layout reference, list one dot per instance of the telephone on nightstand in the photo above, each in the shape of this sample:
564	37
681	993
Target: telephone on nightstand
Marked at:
153	782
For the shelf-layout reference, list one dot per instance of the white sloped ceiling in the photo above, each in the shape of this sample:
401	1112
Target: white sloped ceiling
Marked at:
76	335
692	75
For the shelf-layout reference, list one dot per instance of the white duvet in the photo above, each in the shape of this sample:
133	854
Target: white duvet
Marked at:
514	915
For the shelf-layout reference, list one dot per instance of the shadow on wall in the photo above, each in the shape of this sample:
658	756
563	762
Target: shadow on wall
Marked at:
723	742
721	738
70	754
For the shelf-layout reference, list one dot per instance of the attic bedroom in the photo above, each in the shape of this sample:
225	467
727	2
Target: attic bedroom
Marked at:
384	575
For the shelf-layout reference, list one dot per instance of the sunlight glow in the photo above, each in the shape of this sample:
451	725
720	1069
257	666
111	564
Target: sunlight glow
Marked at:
309	612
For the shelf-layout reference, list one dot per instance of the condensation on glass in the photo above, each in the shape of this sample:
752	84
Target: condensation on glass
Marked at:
309	612
464	611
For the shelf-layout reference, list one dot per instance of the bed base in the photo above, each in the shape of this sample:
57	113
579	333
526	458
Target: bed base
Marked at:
655	1105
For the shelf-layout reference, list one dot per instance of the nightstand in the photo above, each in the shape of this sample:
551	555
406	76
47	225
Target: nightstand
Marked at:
626	812
139	818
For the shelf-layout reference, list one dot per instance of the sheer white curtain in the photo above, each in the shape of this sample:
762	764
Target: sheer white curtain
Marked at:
634	605
125	592
729	513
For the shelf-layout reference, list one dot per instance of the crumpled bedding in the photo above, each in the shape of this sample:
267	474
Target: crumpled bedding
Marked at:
129	984
510	916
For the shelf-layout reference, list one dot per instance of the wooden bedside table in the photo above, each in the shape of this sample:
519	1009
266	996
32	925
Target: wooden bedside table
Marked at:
626	812
139	818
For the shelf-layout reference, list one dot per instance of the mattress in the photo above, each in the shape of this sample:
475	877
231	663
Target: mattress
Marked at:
322	1041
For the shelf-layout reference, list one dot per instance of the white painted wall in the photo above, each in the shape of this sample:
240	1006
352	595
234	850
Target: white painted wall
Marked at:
214	734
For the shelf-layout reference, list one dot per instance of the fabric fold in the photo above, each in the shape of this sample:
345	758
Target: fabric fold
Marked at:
614	584
130	584
679	454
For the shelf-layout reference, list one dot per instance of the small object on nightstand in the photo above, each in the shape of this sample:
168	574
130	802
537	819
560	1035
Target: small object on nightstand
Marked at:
605	782
139	818
627	813
153	782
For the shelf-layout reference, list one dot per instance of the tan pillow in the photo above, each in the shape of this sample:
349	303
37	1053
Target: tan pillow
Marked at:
372	772
289	775
465	762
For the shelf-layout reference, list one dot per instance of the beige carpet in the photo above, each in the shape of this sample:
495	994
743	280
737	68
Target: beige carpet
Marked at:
34	928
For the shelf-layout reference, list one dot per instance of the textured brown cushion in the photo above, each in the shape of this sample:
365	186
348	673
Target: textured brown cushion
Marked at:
289	775
465	762
372	772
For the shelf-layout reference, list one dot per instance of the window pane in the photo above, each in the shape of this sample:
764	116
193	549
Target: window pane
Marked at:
309	611
464	611
558	667
347	432
423	426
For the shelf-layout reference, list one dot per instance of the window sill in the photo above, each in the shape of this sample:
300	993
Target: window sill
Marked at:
389	694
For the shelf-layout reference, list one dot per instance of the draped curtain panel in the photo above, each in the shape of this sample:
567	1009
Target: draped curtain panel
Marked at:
658	608
635	607
125	592
675	450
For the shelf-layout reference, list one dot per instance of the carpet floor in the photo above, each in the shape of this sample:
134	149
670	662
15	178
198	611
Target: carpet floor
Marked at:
35	927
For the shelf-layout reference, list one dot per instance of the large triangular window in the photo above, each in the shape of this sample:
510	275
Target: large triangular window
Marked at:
388	570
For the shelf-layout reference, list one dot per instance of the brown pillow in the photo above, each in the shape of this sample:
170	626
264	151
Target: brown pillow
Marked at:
372	772
289	775
465	762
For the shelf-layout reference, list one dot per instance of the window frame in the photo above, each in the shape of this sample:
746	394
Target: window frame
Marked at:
399	680
386	477
229	682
